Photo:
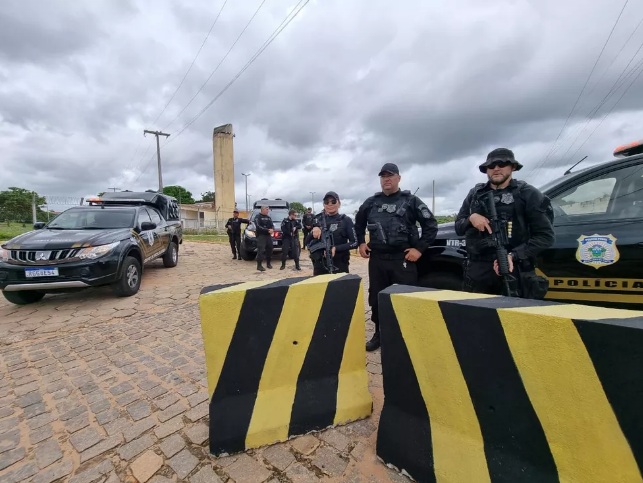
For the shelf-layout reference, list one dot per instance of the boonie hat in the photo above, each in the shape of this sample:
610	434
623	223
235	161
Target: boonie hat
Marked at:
500	155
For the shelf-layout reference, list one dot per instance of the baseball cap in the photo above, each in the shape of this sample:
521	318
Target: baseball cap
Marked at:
331	194
389	168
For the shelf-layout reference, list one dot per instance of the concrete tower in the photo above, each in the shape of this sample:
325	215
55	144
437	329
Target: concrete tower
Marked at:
222	147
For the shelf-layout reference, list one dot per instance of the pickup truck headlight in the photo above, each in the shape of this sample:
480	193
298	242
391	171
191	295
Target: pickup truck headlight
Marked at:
250	233
91	253
4	255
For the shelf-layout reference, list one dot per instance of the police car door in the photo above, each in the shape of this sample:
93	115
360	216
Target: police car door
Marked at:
598	253
161	232
148	240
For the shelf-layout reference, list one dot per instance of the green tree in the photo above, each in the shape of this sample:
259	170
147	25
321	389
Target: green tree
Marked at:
298	207
208	197
16	205
446	219
182	195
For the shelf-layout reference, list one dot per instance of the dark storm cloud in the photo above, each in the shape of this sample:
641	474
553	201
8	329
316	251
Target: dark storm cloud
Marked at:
347	87
48	32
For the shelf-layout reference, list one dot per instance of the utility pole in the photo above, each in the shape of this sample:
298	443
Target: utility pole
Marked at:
433	195
312	199
246	176
158	153
114	189
33	208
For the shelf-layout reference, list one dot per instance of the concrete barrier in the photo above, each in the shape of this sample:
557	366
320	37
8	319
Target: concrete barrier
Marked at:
483	388
283	358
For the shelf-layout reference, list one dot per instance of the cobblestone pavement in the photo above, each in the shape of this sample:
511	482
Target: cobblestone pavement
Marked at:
95	388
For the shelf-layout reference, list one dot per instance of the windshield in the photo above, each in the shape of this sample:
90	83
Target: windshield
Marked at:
94	219
277	215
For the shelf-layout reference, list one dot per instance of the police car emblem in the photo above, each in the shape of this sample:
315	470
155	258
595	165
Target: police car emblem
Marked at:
507	198
597	250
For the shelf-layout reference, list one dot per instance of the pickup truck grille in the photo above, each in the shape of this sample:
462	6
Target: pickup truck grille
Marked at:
43	256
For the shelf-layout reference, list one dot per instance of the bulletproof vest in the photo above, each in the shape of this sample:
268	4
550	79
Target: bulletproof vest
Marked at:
396	230
505	202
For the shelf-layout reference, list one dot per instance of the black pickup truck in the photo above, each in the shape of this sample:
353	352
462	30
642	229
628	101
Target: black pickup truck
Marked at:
597	258
106	242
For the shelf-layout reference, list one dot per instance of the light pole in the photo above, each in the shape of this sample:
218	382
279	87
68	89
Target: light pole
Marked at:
246	176
312	199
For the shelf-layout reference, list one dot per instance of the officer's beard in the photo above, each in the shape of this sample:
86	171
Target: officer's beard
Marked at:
499	182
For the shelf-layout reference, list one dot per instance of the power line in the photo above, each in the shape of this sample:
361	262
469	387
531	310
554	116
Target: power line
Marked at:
280	28
217	67
618	83
639	67
265	45
582	90
193	61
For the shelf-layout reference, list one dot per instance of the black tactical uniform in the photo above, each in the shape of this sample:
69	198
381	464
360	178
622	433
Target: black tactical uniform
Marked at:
264	223
391	222
343	238
307	221
233	227
290	236
526	216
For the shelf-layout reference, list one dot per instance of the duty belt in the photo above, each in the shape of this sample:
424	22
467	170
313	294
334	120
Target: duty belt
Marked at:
387	256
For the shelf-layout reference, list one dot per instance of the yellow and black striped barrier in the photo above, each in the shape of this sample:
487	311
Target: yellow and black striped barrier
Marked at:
480	388
283	358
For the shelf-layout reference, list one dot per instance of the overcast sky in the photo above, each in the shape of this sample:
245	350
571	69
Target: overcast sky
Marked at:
346	86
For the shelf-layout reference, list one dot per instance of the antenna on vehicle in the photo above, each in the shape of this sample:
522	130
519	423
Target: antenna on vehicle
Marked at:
570	169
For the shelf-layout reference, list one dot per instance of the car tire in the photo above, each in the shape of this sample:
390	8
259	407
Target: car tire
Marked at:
24	297
130	280
442	281
171	257
245	254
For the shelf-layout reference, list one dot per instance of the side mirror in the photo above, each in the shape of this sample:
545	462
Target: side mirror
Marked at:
39	225
147	225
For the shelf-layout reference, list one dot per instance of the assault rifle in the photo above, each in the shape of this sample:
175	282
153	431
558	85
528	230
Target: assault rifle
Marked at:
327	240
499	241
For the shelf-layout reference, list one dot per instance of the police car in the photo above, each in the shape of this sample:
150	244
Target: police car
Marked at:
278	211
597	258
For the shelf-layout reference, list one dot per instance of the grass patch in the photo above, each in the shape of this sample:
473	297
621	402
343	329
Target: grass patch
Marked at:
7	232
206	238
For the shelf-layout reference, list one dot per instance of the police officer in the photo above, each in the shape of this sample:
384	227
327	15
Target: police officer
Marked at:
233	227
264	229
290	235
307	222
391	217
342	237
525	216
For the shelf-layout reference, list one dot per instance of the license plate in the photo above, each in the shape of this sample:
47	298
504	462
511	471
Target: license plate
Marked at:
41	272
274	243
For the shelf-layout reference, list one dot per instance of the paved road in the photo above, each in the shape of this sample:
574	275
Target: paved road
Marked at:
101	389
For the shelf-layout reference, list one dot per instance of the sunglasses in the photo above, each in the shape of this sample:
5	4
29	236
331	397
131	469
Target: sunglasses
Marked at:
501	164
331	201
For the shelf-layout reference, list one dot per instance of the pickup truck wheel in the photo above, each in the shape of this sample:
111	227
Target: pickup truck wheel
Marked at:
442	280
245	254
130	280
171	257
24	297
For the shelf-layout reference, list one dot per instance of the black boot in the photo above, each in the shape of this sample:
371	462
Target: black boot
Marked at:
260	267
234	257
297	267
374	343
283	265
269	265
